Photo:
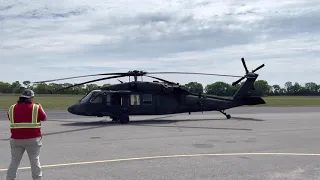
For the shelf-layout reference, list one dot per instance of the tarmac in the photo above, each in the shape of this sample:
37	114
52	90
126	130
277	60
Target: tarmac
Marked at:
259	143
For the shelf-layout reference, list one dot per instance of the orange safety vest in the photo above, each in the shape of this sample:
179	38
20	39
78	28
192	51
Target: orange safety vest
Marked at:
33	124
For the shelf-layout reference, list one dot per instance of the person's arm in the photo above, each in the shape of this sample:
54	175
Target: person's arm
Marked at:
8	114
42	116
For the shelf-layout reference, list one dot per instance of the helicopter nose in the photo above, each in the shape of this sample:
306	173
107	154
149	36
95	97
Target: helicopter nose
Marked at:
72	109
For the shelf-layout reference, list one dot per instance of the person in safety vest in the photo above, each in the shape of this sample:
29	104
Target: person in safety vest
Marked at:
25	117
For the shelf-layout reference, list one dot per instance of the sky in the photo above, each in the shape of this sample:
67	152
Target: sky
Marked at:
45	39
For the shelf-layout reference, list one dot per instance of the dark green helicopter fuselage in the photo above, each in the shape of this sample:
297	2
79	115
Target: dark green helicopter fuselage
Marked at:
155	98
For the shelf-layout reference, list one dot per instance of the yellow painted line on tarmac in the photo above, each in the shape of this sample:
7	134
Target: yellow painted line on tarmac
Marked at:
169	156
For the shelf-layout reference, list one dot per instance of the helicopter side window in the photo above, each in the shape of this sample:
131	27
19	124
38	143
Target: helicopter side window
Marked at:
107	99
147	99
134	99
96	99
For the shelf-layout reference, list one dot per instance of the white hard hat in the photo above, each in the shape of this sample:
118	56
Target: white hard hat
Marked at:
27	93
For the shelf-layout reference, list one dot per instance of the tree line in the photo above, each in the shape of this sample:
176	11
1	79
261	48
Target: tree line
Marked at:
262	88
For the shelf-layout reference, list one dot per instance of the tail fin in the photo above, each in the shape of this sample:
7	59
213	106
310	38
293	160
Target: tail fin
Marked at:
247	88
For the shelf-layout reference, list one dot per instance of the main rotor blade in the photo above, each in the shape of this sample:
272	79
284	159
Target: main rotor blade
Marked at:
244	65
169	82
90	82
258	68
193	73
74	77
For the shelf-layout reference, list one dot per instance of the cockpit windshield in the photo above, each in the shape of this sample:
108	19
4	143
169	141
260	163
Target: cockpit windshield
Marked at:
86	98
107	98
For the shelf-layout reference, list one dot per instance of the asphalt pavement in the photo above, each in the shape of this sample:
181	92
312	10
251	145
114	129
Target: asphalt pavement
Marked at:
257	143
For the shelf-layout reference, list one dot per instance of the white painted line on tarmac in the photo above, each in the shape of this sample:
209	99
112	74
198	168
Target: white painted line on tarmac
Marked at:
170	156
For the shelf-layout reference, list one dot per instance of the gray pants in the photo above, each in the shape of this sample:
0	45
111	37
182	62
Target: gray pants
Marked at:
32	146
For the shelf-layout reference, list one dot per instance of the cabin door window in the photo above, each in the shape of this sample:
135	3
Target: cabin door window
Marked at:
147	99
134	99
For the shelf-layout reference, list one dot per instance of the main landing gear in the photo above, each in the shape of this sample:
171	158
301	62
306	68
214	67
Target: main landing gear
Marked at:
123	119
227	115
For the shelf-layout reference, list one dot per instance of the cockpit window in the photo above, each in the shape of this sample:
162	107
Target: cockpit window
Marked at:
86	98
96	99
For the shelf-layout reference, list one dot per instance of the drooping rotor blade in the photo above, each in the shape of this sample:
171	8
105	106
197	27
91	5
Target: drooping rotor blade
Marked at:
244	65
169	82
74	77
258	68
193	73
89	82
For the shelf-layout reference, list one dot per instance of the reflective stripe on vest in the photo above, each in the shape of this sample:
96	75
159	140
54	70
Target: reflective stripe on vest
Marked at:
33	124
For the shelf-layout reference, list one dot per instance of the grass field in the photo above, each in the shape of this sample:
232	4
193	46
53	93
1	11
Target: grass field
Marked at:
58	102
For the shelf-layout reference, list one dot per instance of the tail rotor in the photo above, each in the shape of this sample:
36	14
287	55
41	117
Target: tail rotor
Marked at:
252	73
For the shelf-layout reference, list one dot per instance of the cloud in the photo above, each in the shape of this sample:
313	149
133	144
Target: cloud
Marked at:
68	38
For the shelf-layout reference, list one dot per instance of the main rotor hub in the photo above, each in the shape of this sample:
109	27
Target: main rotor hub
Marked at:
136	73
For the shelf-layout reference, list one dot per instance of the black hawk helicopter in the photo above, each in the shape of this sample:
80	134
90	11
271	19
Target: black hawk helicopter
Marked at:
119	101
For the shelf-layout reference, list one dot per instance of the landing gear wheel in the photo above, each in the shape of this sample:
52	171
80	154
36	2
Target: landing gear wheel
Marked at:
114	118
124	119
227	115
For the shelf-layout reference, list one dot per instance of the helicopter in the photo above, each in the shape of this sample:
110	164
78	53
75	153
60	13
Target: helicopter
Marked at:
161	97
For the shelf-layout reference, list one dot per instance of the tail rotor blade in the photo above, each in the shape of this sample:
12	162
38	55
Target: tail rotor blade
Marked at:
258	68
244	65
236	82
